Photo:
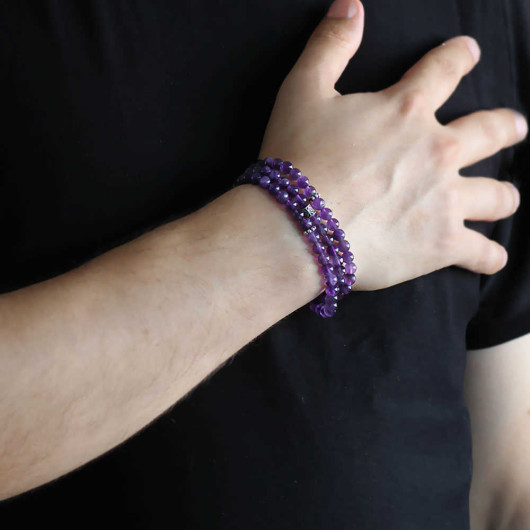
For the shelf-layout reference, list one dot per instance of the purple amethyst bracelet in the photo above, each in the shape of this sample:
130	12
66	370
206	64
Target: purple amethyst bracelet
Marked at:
321	229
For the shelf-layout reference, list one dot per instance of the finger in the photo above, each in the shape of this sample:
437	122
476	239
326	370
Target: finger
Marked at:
329	49
439	71
484	132
480	254
487	199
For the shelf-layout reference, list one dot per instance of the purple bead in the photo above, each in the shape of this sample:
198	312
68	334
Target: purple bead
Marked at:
265	170
338	234
285	167
294	173
264	181
317	249
282	196
350	268
332	225
310	191
306	224
323	259
292	190
269	161
326	240
343	246
333	290
274	174
312	237
332	279
326	214
255	178
327	269
283	182
345	288
302	182
274	188
277	163
354	278
318	203
348	279
347	257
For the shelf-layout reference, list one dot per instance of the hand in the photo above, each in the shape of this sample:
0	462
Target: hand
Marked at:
384	164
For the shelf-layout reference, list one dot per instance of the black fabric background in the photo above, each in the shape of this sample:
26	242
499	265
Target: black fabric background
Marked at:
120	115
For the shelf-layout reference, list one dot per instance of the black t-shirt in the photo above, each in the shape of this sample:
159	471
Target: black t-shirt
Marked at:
118	116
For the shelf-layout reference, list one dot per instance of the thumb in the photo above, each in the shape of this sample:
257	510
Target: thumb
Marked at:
331	45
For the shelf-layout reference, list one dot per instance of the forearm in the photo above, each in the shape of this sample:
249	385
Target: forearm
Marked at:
90	357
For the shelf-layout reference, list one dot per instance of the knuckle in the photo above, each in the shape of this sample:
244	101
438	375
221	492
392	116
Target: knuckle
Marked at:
490	127
412	102
446	64
333	33
445	151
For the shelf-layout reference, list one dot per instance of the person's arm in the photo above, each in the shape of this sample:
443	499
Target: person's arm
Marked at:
91	356
497	393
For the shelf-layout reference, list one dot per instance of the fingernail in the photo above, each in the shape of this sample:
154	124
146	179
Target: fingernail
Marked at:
342	9
516	196
473	47
521	125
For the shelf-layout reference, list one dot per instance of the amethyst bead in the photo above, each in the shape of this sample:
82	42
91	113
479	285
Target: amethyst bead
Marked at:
350	268
255	177
318	203
274	174
269	161
332	279
332	225
292	190
264	181
295	173
310	191
347	257
285	167
302	182
338	234
326	214
282	196
283	182
265	170
344	245
277	163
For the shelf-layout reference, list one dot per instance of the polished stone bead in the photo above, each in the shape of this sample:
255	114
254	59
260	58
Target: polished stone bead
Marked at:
326	214
285	167
350	268
318	203
323	259
282	196
284	182
338	234
274	174
302	182
347	257
265	170
345	288
332	279
274	188
294	173
333	224
306	224
277	163
309	191
344	245
264	181
269	161
255	178
349	279
292	190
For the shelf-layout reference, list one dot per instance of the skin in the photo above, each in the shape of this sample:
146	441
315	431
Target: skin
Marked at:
90	357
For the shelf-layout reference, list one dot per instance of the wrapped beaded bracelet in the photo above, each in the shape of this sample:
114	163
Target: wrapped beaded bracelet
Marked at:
320	228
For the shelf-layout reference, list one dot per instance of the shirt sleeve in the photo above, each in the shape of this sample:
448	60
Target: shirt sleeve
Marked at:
504	309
